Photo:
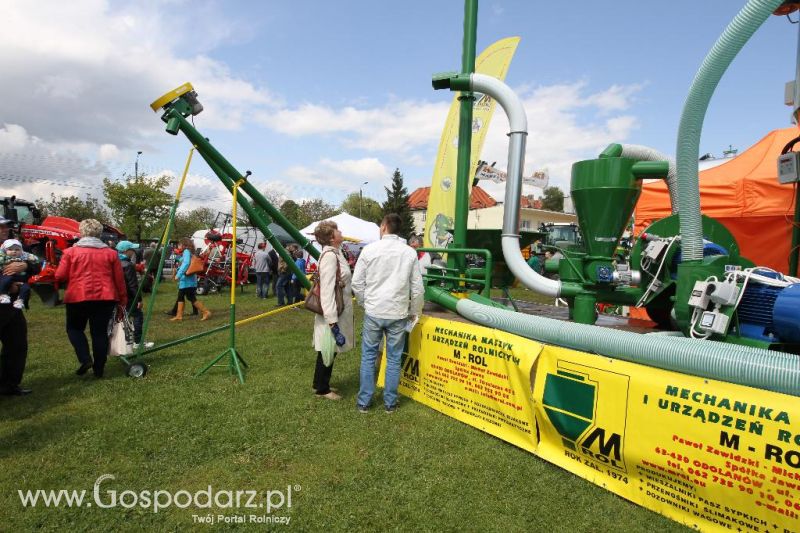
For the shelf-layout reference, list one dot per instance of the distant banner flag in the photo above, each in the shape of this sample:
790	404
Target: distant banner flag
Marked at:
494	61
540	178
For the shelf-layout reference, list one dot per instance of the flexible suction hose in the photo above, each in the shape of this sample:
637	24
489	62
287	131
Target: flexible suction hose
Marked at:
754	367
738	32
644	153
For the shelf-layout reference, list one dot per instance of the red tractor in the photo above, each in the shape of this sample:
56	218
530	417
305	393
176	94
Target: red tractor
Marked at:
46	239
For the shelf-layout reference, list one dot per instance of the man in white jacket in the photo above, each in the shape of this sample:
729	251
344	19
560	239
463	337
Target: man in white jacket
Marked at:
388	284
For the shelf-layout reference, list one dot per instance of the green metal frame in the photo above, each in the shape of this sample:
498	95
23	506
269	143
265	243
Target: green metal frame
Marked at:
461	277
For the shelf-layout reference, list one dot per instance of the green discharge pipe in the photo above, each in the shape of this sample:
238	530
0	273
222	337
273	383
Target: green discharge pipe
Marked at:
754	367
738	32
208	151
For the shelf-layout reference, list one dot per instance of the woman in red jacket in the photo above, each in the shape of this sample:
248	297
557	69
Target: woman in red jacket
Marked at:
95	286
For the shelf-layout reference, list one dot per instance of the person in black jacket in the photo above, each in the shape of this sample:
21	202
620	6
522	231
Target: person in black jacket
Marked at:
13	335
273	268
127	256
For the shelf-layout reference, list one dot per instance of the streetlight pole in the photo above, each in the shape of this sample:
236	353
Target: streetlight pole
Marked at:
361	198
136	164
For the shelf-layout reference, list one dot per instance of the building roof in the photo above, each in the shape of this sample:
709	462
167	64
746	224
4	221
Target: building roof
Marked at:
529	202
478	199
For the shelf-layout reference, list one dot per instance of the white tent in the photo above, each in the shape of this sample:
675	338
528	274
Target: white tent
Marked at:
351	227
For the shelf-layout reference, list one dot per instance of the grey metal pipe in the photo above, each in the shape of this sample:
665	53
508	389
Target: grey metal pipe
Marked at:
645	153
518	122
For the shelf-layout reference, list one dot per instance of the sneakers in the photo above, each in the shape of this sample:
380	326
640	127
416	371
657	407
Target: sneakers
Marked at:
147	345
362	409
5	299
391	409
19	304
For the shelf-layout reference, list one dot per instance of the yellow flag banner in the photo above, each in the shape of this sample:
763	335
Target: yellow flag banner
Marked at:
477	375
712	455
494	61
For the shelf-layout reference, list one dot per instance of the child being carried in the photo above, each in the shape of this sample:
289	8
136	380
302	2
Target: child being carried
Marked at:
11	252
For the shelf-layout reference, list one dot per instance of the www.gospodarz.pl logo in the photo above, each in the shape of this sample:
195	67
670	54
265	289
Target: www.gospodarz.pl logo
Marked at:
156	500
571	400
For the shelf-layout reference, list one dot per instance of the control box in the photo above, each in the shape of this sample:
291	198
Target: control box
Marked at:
789	167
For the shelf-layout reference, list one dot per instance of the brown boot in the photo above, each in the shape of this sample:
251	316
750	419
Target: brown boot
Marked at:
178	312
203	309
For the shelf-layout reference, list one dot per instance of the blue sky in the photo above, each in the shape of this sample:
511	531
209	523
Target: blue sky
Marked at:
317	97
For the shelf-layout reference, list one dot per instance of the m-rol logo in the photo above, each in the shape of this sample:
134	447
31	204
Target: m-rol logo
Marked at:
571	402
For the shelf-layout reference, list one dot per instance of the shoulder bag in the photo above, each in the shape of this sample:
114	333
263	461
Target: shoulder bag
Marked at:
313	299
196	266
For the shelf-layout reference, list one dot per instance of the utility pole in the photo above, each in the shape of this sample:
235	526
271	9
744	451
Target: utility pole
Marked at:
136	164
361	198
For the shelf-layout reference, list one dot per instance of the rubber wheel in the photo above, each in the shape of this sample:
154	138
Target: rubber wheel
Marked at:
137	370
201	290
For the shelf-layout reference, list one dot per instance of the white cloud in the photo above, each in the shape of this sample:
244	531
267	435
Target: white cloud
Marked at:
108	151
81	72
398	127
332	180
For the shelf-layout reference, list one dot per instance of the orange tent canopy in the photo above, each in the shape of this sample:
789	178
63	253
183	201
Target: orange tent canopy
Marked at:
745	196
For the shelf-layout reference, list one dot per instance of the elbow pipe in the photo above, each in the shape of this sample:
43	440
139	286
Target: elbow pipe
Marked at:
518	122
738	32
644	153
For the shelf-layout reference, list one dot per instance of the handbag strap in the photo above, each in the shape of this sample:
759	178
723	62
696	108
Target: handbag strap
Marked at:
338	267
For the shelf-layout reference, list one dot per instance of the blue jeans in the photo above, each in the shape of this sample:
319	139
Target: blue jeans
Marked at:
372	334
262	284
283	289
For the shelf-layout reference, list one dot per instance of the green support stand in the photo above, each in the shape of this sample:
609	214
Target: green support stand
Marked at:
235	361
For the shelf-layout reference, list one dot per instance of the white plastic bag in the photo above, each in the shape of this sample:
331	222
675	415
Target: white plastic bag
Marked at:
118	343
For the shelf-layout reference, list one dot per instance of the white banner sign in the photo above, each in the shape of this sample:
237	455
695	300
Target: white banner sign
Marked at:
540	178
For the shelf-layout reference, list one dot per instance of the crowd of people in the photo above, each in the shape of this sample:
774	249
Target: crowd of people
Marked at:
102	284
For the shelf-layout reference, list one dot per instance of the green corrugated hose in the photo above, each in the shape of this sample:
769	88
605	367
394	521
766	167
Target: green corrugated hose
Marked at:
754	367
738	32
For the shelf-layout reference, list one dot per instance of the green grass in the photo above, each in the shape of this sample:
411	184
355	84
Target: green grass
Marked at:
413	470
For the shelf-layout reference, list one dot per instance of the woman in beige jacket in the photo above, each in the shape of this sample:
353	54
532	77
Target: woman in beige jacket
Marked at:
328	235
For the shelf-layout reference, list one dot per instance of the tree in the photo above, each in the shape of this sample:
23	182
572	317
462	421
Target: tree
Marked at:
307	212
317	209
189	222
139	204
397	202
368	210
291	211
73	207
274	197
553	199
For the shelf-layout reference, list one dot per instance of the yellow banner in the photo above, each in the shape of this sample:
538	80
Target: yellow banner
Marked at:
712	455
494	61
477	375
